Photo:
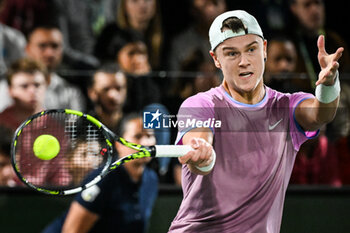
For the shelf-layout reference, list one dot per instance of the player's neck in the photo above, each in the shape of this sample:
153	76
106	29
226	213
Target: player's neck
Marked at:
251	97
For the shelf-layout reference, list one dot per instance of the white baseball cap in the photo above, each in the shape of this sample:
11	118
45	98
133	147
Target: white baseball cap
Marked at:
216	36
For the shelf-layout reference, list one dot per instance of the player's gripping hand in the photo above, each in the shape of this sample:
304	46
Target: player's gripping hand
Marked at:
200	158
328	62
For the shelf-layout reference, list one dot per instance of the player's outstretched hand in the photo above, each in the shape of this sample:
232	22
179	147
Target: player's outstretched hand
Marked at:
328	62
201	156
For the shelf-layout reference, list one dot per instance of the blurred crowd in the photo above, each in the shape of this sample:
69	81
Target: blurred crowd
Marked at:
111	58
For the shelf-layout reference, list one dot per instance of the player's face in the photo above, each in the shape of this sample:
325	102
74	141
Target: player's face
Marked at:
140	11
28	90
282	57
109	91
241	60
46	46
134	132
310	13
133	59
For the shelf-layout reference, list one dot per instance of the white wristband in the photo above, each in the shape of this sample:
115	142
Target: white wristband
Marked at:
327	94
211	165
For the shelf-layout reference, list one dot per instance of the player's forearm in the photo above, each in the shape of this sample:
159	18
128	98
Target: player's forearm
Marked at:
324	113
312	114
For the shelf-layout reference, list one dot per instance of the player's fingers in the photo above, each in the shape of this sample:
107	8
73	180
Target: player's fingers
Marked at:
321	46
338	54
195	143
205	155
187	157
334	68
207	158
328	74
198	155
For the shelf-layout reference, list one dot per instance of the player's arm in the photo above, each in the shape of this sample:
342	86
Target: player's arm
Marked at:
79	219
312	114
201	140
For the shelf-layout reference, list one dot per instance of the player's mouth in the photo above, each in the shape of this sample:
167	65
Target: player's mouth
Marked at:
246	74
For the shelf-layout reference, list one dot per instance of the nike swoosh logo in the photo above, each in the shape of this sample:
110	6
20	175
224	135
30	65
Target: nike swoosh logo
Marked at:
271	127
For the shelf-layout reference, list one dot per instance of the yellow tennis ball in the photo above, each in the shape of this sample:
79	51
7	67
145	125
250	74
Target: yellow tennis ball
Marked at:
46	147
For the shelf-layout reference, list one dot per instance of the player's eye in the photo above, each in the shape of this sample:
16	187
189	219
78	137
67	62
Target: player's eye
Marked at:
232	54
252	49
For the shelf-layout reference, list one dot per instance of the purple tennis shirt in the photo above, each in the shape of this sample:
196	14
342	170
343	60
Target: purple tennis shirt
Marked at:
255	147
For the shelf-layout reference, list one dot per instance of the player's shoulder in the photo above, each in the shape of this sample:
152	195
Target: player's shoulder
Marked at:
203	99
287	97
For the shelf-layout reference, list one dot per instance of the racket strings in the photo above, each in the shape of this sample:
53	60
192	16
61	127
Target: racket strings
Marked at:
80	145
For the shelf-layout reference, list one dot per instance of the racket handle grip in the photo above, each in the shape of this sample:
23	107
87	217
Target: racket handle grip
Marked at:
172	150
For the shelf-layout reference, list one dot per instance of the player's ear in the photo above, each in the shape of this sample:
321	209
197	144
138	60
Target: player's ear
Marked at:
215	59
265	50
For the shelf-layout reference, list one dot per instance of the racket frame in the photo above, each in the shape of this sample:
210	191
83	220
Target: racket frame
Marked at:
110	137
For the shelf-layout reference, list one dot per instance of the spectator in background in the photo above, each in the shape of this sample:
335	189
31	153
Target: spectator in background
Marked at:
133	58
343	155
316	157
317	163
129	50
108	91
310	23
45	44
198	75
83	157
71	16
76	20
27	82
123	200
280	64
144	17
7	174
12	47
196	35
24	15
125	47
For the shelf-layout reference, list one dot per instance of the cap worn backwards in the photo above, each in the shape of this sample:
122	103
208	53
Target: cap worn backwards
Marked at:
216	36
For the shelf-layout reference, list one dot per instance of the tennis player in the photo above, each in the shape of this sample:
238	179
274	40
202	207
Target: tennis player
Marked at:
243	188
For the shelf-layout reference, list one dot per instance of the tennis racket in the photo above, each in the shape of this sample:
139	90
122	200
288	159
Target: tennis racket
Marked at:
85	145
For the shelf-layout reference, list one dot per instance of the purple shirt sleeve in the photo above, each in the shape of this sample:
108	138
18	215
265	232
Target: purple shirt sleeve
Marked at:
299	136
197	108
